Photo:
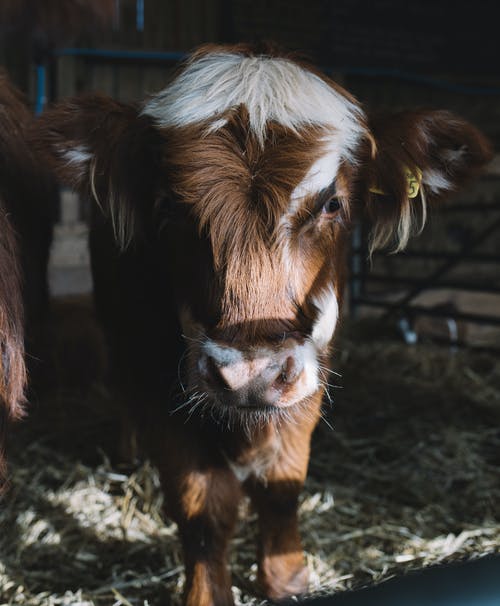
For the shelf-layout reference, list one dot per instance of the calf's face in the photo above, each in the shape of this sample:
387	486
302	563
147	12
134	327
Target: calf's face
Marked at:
260	218
250	169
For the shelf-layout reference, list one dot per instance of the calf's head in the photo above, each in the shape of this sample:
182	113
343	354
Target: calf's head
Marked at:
247	170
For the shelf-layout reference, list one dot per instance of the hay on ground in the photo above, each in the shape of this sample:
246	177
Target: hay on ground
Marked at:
406	476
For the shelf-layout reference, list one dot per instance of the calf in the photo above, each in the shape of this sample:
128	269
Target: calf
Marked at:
27	199
219	243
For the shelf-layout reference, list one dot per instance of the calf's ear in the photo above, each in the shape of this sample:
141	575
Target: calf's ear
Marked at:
418	157
107	150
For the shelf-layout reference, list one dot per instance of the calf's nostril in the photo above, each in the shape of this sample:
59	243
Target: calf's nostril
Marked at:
211	373
289	371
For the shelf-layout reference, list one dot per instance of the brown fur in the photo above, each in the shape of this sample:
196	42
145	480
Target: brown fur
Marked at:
227	179
27	195
192	231
12	368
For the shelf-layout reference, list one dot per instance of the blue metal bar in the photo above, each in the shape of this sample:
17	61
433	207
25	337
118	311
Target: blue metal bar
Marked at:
121	54
139	22
41	88
170	56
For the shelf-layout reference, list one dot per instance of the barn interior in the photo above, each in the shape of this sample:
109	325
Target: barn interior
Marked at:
405	466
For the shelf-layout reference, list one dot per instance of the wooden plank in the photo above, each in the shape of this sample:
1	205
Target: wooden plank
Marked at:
103	79
129	84
493	167
67	71
155	79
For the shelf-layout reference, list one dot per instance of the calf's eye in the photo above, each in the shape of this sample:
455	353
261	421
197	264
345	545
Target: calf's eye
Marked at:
331	207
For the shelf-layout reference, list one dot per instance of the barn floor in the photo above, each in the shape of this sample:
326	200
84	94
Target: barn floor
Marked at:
406	476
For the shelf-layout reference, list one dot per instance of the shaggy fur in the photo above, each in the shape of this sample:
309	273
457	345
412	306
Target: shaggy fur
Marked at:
219	249
27	201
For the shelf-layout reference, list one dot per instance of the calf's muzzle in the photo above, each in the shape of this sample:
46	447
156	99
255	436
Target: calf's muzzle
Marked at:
260	376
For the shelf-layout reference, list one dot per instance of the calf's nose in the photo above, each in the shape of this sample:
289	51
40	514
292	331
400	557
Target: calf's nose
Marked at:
262	377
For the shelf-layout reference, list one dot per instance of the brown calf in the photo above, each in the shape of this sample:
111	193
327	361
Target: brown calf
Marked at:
27	201
219	244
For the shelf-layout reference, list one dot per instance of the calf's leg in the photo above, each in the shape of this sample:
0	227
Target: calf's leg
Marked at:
202	496
281	568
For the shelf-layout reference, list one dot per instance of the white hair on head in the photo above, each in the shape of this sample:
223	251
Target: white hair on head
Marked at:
271	89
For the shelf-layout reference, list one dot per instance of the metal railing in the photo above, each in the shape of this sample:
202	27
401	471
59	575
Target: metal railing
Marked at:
402	304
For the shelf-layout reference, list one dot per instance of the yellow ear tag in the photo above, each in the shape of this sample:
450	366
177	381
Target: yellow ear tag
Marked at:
413	183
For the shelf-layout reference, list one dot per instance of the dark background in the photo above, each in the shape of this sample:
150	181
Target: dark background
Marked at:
391	55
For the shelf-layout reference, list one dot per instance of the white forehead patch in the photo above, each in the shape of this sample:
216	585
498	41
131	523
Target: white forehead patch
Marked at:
271	89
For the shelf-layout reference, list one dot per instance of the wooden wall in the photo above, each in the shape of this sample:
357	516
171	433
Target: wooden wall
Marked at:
333	33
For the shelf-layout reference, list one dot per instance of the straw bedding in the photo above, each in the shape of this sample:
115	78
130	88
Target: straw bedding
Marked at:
404	474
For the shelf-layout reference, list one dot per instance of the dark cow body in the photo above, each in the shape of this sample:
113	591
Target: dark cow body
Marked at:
27	203
219	245
12	368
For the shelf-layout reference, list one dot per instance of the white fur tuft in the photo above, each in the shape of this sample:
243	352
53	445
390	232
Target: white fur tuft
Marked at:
436	181
271	89
77	156
328	314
